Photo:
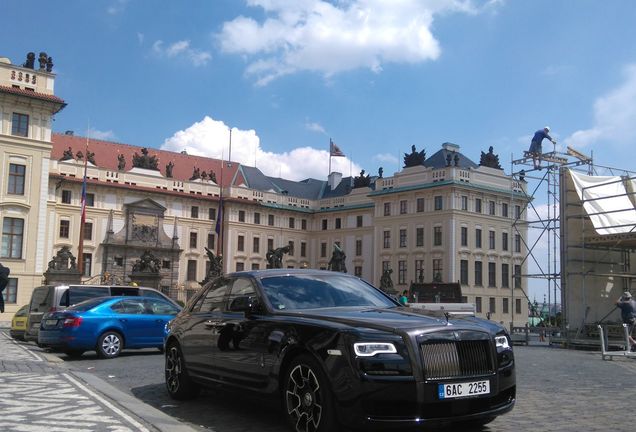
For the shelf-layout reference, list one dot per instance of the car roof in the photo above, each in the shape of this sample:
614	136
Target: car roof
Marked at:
286	272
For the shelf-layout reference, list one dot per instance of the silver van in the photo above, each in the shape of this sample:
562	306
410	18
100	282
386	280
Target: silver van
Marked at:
50	298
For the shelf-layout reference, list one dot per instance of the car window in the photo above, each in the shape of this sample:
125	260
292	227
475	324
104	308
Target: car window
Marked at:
160	307
213	299
77	294
151	293
88	304
41	299
135	307
123	291
241	287
22	311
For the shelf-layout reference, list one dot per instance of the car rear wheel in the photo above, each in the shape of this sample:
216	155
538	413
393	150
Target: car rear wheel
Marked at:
307	399
178	382
109	345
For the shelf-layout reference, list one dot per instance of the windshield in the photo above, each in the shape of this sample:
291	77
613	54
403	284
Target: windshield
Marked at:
295	292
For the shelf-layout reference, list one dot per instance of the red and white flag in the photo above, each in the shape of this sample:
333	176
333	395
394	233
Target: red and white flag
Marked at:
334	150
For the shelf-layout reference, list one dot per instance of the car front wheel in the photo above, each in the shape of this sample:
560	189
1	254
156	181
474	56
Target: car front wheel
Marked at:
109	345
178	382
307	398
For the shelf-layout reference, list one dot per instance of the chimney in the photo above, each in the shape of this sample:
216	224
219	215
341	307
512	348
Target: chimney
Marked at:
334	179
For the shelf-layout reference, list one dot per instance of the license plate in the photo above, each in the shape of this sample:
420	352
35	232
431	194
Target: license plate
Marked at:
50	322
465	389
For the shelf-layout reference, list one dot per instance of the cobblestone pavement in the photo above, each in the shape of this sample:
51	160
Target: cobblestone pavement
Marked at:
38	396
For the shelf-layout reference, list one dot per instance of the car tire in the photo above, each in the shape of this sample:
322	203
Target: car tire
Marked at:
74	353
178	382
307	398
110	344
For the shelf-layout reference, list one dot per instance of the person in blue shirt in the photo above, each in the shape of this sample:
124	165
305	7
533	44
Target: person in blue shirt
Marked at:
627	305
404	298
535	146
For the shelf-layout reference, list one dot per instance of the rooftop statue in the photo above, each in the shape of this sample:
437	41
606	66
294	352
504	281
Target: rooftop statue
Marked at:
90	156
415	158
196	174
121	162
362	180
490	159
145	160
43	60
30	61
67	155
169	168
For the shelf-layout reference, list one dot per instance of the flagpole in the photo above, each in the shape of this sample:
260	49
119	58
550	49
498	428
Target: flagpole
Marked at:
80	247
330	148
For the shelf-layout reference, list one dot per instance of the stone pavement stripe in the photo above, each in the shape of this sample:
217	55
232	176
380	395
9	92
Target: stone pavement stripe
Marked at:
12	350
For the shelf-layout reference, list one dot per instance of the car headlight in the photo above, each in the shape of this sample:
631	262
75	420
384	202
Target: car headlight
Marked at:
502	342
369	349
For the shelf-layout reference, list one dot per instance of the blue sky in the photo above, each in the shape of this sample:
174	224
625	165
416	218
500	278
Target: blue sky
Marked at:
375	76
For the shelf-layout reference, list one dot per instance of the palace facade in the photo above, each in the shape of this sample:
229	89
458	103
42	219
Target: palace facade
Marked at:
441	218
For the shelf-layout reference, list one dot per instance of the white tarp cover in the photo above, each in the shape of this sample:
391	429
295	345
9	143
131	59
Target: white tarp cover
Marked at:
615	210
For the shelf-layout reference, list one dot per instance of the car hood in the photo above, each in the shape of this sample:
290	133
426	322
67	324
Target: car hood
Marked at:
392	319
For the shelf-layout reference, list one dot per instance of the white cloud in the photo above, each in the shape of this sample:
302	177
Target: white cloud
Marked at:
387	157
315	127
211	138
117	7
332	37
614	115
182	49
101	135
140	38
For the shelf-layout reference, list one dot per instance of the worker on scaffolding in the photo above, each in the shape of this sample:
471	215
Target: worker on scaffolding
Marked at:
627	305
535	146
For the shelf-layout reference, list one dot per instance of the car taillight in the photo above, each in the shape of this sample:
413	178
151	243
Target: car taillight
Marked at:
73	322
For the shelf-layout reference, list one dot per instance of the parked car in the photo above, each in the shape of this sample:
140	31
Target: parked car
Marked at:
107	325
51	298
19	322
338	351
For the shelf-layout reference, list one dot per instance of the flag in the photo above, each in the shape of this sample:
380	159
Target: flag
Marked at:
219	217
334	150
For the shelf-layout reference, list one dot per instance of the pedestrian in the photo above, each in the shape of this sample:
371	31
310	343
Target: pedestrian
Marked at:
627	305
535	146
4	281
404	298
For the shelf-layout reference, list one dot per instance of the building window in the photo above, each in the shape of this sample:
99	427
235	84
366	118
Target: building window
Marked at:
478	304
420	205
66	196
463	272
517	276
194	212
477	205
240	243
464	236
303	249
403	206
387	239
504	209
517	243
491	239
257	218
270	244
505	276
492	306
240	266
88	264
437	236
303	224
504	241
90	200
165	264
211	213
10	294
20	125
357	271
504	305
419	270
439	202
359	221
256	245
358	247
402	238
292	223
118	261
241	216
386	265
12	236
291	248
256	266
16	179
491	208
517	212
270	220
478	238
518	306
478	273
323	250
211	240
387	209
65	228
192	270
437	270
492	274
419	236
193	240
324	224
338	223
88	231
401	272
464	202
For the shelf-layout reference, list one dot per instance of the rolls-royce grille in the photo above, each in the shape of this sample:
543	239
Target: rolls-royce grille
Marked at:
456	359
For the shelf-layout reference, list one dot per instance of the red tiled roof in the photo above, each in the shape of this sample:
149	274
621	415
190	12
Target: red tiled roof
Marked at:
106	154
34	95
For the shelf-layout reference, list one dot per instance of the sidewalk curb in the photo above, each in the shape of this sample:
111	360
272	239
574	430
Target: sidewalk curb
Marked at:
149	414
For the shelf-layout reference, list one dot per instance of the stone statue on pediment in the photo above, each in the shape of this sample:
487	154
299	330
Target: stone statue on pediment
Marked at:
196	174
380	172
90	156
30	61
79	156
49	64
43	60
415	158
67	155
361	180
212	176
121	162
490	159
145	160
63	260
169	168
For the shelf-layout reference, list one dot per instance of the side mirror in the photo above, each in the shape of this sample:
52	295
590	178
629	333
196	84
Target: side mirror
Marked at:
247	304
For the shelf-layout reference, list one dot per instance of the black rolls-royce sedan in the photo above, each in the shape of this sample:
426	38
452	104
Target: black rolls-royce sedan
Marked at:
338	351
